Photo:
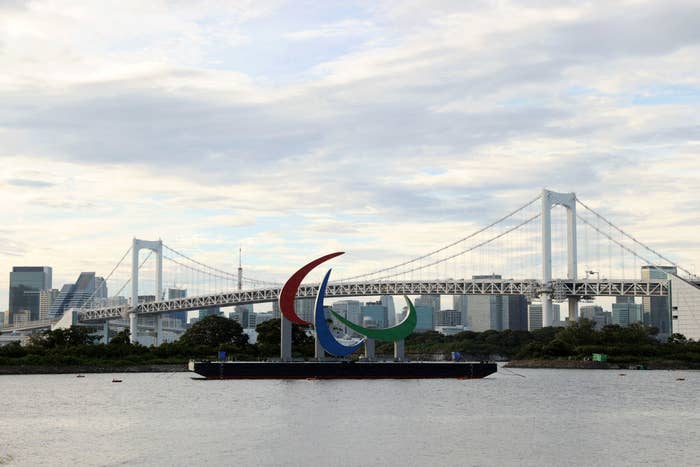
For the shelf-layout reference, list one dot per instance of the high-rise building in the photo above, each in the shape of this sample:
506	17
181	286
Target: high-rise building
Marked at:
204	312
2	319
425	317
348	309
448	318
388	302
514	309
276	313
74	295
534	315
626	313
376	311
25	284
174	293
433	301
46	299
657	310
459	303
305	308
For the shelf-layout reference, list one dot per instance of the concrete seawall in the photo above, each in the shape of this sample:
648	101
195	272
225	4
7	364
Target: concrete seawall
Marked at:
74	369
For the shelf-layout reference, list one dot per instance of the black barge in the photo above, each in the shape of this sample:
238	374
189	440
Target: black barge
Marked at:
340	370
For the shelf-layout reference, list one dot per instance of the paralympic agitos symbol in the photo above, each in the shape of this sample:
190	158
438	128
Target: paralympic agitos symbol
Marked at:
323	333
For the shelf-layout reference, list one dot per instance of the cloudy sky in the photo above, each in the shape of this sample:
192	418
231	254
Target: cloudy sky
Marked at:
297	128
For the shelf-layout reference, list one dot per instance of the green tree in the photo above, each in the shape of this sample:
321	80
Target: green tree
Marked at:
269	339
214	331
71	337
121	338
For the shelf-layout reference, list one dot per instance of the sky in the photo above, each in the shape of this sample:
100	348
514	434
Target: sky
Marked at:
295	128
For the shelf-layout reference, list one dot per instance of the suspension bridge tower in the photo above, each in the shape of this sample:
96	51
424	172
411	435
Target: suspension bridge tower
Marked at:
157	248
568	201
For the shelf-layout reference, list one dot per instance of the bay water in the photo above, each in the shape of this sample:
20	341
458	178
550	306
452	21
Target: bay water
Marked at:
517	417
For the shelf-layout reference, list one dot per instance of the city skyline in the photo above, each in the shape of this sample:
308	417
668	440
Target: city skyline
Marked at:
200	131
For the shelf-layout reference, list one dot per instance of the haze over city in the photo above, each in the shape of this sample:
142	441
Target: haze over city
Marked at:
297	128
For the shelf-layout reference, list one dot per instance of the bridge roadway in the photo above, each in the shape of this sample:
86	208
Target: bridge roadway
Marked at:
560	290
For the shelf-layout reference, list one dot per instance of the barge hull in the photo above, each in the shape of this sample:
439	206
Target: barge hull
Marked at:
342	370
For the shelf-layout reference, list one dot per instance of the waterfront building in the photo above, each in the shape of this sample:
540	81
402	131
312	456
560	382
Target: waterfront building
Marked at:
73	295
448	318
388	302
204	312
174	293
514	312
21	317
432	301
459	303
260	318
496	312
376	311
46	299
350	310
534	315
26	282
425	318
596	314
2	319
657	310
626	312
305	308
276	313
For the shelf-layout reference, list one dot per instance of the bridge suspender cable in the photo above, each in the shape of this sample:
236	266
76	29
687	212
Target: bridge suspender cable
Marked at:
472	235
651	250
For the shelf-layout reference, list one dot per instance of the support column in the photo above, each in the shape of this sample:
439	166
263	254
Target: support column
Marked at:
319	353
159	270
105	332
285	339
133	319
159	329
546	257
369	349
572	267
399	352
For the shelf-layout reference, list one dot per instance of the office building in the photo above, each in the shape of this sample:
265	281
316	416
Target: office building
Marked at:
350	310
534	315
204	312
76	295
388	302
2	319
425	317
448	318
459	303
514	312
432	301
657	310
46	299
375	311
25	284
626	312
497	312
276	313
596	314
174	293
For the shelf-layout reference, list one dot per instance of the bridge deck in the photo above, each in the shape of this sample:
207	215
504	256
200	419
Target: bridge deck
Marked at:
560	290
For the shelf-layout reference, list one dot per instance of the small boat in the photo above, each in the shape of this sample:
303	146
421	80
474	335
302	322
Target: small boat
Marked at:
680	379
116	380
80	376
622	374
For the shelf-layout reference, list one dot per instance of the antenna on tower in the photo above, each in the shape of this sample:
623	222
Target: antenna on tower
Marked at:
240	270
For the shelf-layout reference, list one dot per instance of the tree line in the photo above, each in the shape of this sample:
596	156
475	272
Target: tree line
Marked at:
77	345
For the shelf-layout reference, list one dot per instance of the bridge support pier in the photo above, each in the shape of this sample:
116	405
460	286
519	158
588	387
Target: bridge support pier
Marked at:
369	349
133	326
568	201
318	349
105	332
136	247
399	350
573	309
285	339
159	329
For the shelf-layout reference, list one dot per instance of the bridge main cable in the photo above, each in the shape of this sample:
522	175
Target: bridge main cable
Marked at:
439	250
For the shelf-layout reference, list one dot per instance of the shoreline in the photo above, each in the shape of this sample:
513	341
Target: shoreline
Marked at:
85	369
591	365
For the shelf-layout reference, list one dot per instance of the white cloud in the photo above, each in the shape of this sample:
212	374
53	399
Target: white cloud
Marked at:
395	127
